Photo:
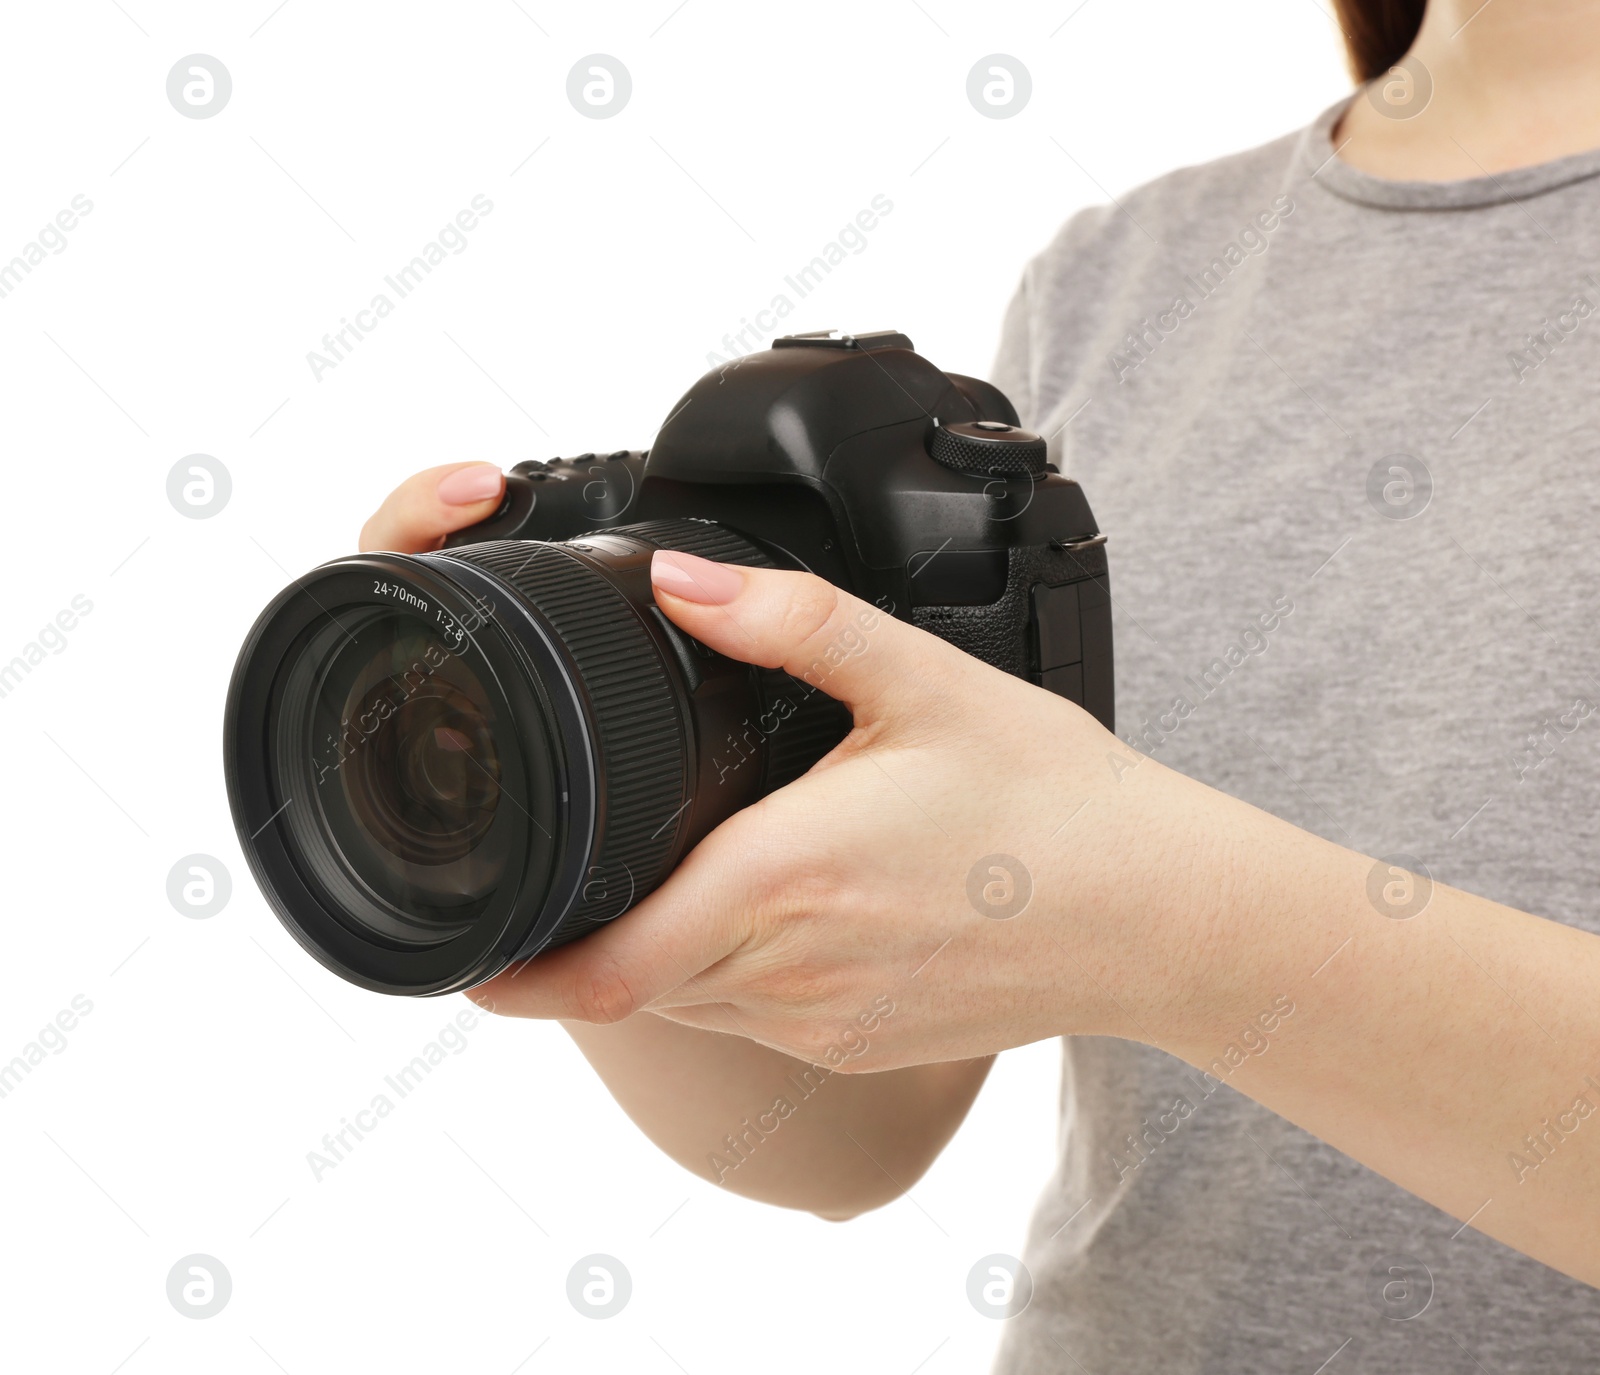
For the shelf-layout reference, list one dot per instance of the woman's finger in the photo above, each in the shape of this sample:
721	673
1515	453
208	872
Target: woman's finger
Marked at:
426	507
876	665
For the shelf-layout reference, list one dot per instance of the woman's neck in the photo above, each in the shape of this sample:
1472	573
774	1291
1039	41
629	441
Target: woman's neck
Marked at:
1514	83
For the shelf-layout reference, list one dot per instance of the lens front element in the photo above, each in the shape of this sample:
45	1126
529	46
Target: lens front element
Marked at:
426	791
403	774
409	731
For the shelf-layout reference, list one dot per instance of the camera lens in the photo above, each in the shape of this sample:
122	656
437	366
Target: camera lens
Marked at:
442	763
398	775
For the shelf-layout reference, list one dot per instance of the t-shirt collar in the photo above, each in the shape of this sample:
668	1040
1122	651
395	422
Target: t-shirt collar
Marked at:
1319	161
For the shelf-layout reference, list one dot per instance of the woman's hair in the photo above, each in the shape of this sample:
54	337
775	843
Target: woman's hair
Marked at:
1378	32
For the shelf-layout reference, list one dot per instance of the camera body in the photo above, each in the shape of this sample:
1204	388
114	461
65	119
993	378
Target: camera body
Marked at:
443	763
823	449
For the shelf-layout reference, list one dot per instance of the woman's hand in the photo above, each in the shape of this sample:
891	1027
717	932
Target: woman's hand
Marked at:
962	857
854	1143
953	879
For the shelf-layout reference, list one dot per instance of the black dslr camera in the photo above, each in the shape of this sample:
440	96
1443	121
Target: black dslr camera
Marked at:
439	764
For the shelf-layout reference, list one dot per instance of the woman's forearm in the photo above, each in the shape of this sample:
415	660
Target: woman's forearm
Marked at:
1445	1041
775	1128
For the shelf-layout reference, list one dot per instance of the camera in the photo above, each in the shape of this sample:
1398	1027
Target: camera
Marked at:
440	764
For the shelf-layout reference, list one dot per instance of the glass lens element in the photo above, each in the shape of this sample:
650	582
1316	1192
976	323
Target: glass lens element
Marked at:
425	786
410	823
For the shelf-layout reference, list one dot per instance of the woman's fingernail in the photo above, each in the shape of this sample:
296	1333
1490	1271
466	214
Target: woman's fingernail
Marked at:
479	482
695	579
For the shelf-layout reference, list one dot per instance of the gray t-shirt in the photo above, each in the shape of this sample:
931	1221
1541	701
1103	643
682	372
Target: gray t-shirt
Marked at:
1344	436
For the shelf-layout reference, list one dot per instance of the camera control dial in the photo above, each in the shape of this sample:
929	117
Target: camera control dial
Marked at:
988	446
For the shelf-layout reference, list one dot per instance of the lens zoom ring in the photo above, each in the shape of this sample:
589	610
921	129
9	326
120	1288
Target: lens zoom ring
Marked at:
638	729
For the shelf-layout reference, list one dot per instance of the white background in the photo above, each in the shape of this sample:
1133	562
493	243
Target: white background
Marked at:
177	320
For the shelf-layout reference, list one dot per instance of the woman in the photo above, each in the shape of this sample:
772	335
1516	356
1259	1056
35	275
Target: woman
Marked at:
1332	399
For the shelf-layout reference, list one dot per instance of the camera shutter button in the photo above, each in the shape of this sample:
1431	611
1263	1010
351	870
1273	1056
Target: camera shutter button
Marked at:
989	447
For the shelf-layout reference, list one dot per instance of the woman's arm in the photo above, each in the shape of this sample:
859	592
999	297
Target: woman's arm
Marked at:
990	859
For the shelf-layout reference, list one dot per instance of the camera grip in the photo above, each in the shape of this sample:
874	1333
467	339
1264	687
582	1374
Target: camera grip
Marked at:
1051	625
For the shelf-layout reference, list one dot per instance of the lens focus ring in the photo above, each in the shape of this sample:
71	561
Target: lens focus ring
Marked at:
638	726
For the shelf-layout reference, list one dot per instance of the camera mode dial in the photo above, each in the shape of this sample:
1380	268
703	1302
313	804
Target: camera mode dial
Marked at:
988	446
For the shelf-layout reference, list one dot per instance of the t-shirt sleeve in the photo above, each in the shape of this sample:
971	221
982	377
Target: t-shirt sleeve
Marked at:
1013	364
1052	314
